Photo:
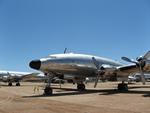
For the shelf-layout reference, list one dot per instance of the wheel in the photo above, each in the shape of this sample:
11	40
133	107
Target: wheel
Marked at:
48	91
10	84
122	87
17	84
81	87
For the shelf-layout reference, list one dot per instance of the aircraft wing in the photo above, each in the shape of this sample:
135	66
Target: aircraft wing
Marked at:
27	75
121	71
127	69
17	75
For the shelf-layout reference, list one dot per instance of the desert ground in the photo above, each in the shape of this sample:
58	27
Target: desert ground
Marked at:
103	99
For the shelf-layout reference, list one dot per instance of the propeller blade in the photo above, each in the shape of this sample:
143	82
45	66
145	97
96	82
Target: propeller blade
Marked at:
100	70
142	75
95	63
147	55
128	60
143	79
96	81
9	74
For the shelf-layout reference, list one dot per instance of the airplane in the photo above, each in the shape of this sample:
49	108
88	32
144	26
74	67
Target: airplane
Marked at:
80	66
14	76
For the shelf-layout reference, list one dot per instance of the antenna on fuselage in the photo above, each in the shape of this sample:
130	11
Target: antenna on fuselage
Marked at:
65	51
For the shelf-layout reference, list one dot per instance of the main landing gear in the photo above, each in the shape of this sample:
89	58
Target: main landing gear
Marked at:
18	84
123	86
81	87
80	84
48	90
9	83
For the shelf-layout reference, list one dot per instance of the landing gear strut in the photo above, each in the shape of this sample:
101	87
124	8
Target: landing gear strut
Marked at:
81	87
48	90
122	86
18	84
9	83
80	84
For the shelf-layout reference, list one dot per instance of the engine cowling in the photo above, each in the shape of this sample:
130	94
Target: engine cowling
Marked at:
107	68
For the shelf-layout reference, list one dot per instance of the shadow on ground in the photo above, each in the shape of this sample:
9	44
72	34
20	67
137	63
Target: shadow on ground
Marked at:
69	91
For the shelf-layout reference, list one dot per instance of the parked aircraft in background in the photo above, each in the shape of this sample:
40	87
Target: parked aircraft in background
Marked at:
14	76
80	66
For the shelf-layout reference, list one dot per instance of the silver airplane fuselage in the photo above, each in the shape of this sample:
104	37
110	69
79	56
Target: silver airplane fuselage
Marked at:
80	66
70	63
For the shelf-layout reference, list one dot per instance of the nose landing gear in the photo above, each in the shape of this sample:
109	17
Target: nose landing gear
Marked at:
48	90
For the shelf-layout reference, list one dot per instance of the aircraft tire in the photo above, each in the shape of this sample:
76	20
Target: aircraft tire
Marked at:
122	87
10	84
81	87
17	84
48	91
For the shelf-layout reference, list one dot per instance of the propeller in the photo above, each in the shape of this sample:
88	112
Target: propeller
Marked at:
99	70
129	60
9	75
140	62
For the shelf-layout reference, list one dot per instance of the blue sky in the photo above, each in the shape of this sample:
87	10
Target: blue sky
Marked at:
31	29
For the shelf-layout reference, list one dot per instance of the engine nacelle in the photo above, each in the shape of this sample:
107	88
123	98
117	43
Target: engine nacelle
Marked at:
107	68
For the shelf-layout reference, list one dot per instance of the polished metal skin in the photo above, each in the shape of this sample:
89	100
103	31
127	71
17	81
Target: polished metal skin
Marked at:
83	65
70	63
80	66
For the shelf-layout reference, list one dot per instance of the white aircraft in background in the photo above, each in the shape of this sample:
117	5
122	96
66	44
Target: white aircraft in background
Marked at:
14	76
80	66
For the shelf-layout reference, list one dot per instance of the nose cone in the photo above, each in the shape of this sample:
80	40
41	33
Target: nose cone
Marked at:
35	64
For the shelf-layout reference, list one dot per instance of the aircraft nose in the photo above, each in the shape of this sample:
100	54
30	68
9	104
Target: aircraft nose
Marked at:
35	64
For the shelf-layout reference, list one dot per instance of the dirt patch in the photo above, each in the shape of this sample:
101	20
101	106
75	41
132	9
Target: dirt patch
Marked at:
104	99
